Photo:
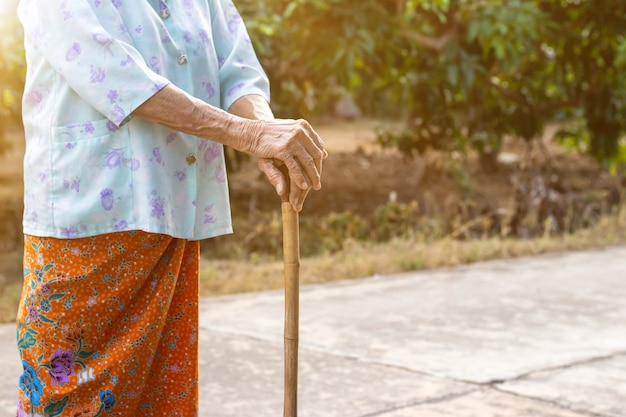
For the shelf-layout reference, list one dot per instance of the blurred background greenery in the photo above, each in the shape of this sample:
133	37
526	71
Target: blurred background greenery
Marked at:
12	70
463	82
461	74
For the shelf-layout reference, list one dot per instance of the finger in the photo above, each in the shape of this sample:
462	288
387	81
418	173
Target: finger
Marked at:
311	161
308	165
311	168
297	197
315	137
273	174
296	173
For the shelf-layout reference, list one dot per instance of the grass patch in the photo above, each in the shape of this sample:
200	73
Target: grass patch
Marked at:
362	259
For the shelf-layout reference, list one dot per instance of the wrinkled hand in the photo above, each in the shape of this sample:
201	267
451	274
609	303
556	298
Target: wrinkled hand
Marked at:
292	144
276	176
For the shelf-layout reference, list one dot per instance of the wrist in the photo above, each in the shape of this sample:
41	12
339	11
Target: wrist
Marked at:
245	134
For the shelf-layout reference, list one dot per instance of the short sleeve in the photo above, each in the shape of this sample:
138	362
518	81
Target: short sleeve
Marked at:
239	69
92	60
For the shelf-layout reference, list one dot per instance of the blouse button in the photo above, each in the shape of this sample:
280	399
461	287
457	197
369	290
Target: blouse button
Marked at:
191	159
182	59
164	13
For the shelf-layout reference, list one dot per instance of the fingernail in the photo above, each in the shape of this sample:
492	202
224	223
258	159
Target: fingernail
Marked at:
280	188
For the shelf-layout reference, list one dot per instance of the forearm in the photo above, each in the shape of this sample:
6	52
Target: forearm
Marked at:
174	108
253	107
292	142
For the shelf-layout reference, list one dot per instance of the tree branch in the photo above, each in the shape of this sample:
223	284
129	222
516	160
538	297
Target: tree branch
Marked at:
436	44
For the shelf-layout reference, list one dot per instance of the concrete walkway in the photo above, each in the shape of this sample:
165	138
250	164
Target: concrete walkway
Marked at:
540	337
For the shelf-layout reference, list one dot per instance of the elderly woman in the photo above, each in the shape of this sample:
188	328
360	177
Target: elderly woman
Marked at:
127	106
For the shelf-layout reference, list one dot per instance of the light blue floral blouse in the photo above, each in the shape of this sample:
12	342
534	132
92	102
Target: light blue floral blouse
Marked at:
90	167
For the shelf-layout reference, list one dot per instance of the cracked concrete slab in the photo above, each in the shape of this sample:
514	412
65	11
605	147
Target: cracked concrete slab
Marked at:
485	322
245	374
10	370
484	403
598	386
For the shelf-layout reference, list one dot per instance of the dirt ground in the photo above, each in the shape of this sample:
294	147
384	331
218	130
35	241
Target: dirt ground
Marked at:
358	176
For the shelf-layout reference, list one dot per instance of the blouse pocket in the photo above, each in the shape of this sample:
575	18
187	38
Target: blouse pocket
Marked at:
92	165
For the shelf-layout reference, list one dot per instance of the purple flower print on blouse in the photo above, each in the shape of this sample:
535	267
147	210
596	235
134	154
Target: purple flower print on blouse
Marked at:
67	14
156	152
155	64
116	3
61	367
156	202
121	225
119	114
33	98
113	159
42	176
128	61
73	184
112	127
70	145
187	36
106	198
88	128
212	152
73	52
236	88
69	232
208	214
138	29
233	23
170	138
113	96
97	74
132	163
180	175
209	89
102	38
204	37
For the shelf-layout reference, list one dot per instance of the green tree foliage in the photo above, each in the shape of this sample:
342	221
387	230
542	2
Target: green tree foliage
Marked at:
314	50
463	73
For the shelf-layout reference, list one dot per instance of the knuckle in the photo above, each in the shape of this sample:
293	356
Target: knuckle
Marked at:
291	163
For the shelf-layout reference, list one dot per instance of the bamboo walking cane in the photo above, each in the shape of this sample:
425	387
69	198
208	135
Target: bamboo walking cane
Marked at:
291	258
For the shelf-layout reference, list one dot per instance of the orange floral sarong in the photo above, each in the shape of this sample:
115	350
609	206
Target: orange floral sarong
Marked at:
108	326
